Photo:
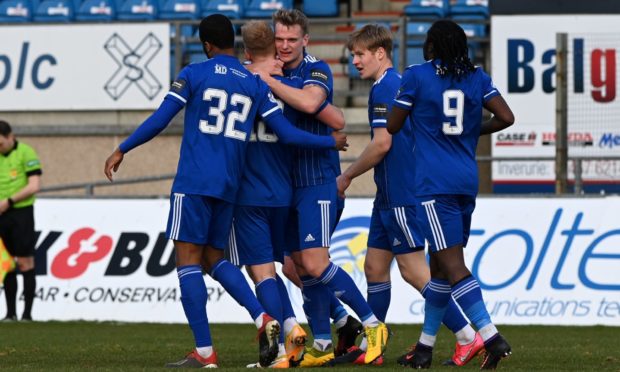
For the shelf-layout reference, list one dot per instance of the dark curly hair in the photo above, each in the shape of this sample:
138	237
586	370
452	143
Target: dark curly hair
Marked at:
447	42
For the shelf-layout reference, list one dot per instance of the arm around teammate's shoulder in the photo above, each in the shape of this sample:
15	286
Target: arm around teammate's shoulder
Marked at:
291	135
307	100
502	116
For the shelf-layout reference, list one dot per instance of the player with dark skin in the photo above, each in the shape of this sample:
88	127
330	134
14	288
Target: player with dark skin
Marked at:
446	200
207	179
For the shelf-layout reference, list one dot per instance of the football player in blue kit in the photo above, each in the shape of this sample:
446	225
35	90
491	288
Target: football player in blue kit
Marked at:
315	194
222	100
394	231
443	99
264	199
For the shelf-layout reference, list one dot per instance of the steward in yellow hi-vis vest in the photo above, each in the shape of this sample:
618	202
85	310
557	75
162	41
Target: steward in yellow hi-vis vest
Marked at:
20	179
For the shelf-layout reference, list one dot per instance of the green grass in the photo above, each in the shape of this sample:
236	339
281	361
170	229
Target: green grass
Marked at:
73	346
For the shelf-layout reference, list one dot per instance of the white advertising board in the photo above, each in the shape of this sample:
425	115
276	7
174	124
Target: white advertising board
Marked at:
539	261
84	67
523	54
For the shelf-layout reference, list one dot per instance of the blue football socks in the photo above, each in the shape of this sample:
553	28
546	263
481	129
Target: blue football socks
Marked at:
316	305
268	295
345	289
453	318
233	281
379	297
336	311
468	295
194	300
287	306
436	304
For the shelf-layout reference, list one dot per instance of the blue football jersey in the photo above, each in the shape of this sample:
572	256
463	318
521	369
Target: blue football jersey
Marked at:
395	174
311	166
266	178
222	100
446	114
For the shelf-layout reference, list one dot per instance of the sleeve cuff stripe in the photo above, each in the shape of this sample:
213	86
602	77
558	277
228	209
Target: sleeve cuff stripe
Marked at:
264	115
180	98
380	121
317	82
491	92
404	102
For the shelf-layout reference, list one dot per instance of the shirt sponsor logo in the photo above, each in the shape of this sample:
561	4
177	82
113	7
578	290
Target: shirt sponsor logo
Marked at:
380	111
221	69
178	85
319	76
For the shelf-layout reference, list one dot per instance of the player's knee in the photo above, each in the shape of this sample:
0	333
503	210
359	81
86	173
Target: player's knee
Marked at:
375	272
315	261
25	264
416	279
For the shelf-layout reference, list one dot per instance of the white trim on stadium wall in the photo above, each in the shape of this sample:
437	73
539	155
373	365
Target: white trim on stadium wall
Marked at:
84	67
539	261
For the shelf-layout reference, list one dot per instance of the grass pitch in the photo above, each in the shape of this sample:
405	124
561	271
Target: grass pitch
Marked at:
77	346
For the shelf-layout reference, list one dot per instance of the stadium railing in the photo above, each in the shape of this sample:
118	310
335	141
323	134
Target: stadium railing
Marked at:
89	187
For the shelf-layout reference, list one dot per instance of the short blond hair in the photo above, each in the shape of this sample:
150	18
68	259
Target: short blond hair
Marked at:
372	37
259	38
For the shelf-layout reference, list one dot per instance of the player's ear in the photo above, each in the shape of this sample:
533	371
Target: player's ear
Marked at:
247	55
305	40
207	48
380	53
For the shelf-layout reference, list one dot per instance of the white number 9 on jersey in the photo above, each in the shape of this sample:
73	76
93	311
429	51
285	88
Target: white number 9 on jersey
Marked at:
236	99
455	111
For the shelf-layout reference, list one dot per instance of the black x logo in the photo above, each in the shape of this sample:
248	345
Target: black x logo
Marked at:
133	66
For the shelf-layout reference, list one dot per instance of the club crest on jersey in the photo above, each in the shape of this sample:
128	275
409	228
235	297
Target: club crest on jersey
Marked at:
220	69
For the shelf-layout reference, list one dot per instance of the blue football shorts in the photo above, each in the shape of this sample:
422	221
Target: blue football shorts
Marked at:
314	209
445	220
257	235
200	220
395	230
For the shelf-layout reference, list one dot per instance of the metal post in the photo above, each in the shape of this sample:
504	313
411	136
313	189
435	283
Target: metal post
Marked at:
178	53
402	41
578	162
561	122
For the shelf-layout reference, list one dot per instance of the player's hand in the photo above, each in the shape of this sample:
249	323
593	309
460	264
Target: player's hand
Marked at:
112	163
343	183
341	140
276	68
